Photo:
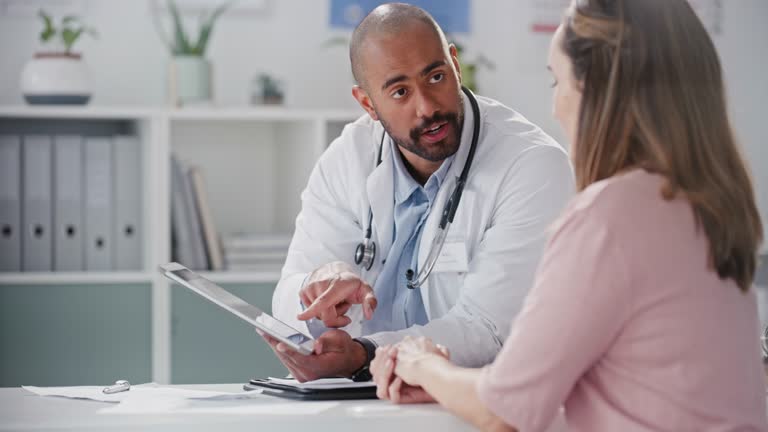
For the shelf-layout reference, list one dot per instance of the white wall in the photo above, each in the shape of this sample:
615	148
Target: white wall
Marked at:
128	61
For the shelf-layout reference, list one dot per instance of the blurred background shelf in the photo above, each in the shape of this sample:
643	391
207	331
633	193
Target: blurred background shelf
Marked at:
232	277
71	278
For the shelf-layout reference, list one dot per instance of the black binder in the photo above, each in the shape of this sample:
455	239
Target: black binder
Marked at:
300	393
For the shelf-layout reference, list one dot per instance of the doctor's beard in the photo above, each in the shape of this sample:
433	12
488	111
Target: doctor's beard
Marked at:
435	152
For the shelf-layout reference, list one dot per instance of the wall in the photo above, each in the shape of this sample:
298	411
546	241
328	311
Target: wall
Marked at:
128	61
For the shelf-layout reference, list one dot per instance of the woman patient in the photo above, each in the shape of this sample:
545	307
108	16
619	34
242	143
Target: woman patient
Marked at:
641	316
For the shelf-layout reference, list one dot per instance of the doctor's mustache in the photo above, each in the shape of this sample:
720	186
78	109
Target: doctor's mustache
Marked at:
449	117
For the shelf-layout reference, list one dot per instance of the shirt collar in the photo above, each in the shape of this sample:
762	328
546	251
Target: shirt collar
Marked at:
405	185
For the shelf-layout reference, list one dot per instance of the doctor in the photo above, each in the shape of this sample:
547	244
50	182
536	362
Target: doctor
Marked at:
376	200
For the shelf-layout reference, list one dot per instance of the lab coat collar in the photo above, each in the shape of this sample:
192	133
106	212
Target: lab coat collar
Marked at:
380	190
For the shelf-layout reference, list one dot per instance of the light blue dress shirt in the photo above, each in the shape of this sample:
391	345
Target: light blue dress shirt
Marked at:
398	306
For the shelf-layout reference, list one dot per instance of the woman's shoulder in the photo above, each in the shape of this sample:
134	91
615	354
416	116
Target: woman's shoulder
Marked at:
623	193
620	201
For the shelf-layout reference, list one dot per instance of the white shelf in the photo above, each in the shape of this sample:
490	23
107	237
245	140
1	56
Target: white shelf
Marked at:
261	113
242	277
66	278
263	153
184	114
79	112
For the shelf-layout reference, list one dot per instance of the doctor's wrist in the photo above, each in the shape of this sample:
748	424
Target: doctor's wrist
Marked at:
364	351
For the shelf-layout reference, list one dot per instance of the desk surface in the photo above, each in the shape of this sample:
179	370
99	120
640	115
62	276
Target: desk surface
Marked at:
22	410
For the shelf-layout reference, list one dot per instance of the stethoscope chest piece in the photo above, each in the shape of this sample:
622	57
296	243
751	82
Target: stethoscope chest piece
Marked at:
365	253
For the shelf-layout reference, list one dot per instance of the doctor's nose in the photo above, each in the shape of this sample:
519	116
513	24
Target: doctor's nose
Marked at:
427	105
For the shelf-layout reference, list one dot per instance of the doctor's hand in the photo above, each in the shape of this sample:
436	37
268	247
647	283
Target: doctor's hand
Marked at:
335	354
331	290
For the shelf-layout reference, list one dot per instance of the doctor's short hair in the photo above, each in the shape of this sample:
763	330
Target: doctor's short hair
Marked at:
653	98
387	19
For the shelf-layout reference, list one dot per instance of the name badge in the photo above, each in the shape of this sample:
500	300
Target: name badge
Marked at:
453	258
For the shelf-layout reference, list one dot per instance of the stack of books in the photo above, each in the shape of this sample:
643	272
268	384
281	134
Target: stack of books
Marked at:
194	240
256	252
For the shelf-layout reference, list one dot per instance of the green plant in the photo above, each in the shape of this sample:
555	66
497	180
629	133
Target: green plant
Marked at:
469	69
182	44
69	30
270	87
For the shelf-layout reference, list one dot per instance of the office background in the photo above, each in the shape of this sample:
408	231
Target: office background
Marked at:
93	331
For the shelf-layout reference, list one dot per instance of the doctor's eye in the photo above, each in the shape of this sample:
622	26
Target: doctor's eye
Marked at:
436	78
554	84
399	93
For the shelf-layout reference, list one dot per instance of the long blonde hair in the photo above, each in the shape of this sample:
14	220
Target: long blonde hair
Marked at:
653	98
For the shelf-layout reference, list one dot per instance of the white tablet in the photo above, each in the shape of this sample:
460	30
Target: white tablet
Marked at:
279	330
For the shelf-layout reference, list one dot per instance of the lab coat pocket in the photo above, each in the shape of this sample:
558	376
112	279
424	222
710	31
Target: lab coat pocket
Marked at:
459	243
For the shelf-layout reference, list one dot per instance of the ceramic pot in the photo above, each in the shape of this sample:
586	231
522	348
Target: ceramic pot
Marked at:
56	78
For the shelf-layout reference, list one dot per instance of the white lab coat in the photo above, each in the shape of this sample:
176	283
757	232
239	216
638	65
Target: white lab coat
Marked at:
518	183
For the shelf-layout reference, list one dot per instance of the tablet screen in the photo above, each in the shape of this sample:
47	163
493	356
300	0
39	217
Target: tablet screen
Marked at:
235	304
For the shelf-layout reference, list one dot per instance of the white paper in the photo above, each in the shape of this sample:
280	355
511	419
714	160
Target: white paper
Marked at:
146	391
325	383
186	406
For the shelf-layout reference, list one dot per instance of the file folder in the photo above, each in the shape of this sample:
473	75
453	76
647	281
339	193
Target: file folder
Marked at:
128	231
10	203
98	203
37	212
68	243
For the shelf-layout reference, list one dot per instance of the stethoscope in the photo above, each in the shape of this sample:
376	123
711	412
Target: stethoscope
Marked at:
365	253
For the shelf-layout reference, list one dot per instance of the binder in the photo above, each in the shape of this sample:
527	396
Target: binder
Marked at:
128	231
37	213
98	203
10	203
68	246
208	226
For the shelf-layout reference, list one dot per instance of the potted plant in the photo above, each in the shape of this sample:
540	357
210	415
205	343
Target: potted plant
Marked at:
268	90
189	72
56	74
469	69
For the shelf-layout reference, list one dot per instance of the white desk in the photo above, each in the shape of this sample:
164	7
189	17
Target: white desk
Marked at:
22	410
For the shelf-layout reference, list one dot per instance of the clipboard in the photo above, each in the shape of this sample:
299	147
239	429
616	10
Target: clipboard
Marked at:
310	394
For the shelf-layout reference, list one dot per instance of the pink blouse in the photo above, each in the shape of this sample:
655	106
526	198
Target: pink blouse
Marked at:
628	328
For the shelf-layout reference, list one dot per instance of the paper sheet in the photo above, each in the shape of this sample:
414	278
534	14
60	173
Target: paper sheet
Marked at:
186	406
147	391
325	383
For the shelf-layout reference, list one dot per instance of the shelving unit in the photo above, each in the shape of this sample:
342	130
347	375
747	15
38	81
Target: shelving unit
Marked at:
255	160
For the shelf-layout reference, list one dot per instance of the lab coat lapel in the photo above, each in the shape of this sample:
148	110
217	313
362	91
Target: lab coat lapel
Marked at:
380	190
433	221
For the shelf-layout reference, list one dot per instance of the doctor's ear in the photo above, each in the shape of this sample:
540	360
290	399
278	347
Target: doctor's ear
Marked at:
365	101
455	60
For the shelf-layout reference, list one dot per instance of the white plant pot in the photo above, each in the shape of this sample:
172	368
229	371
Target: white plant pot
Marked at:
56	78
189	80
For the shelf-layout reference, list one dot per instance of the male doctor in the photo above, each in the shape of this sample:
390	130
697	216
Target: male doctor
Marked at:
385	182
